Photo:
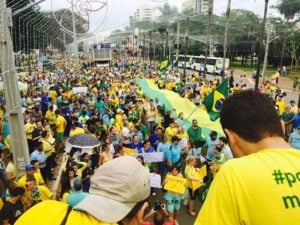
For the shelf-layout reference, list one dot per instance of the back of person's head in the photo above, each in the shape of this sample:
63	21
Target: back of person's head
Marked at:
77	184
159	217
16	191
251	115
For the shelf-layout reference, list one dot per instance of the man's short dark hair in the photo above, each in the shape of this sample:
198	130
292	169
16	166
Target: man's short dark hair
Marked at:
251	115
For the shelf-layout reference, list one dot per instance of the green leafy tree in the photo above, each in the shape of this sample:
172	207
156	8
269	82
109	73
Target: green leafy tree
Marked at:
289	8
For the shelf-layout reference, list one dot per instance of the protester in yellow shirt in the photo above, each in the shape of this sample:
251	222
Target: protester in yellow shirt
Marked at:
171	130
281	104
76	129
61	124
37	193
260	186
190	173
29	127
29	174
50	116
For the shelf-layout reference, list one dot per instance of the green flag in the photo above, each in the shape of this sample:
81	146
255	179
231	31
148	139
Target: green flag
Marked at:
164	64
214	101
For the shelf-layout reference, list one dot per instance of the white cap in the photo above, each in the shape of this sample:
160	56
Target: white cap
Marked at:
115	189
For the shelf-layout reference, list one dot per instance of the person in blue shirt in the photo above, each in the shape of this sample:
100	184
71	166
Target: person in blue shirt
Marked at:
294	138
77	195
297	120
147	147
41	157
135	144
155	137
211	142
174	154
163	146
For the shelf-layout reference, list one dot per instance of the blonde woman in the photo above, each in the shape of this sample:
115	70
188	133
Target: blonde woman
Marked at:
190	173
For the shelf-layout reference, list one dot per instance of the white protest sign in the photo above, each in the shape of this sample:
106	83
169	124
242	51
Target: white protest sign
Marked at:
77	90
155	180
152	157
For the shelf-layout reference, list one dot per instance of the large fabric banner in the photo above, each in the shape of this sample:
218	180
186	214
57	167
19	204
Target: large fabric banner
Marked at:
173	101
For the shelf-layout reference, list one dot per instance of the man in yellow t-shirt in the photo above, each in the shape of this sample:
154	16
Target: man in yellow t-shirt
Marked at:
61	124
29	127
262	186
30	173
37	193
76	129
50	117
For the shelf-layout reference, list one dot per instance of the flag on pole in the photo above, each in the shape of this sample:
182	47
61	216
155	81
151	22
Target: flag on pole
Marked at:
164	64
176	62
214	101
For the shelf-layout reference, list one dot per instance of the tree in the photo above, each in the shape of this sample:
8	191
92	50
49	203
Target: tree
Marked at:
167	12
289	8
293	45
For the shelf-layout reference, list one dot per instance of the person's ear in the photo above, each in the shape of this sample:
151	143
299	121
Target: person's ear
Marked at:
231	137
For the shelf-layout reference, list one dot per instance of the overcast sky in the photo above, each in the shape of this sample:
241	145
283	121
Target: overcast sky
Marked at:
116	14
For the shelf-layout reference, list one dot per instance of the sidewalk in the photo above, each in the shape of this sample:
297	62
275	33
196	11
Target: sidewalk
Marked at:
284	83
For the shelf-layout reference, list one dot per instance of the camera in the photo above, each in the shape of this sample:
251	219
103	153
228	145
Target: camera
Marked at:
158	205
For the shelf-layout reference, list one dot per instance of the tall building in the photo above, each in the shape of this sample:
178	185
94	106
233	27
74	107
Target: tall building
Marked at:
144	13
198	6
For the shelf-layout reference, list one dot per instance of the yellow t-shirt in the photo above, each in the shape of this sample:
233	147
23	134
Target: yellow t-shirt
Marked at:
38	180
29	127
50	117
53	213
77	130
281	106
60	124
53	95
48	148
189	171
170	132
262	188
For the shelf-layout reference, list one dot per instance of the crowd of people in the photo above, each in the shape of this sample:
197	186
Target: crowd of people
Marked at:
108	104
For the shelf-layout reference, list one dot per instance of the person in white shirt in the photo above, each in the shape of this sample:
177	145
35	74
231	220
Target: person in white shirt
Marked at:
225	147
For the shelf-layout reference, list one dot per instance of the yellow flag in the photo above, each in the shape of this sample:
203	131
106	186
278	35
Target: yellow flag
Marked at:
200	174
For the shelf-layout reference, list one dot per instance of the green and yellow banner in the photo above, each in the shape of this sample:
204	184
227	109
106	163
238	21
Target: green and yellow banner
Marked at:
172	100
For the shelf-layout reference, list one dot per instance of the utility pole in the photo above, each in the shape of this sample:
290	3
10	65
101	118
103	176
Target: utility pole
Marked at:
12	95
208	36
150	45
226	37
75	38
186	46
269	30
260	45
177	41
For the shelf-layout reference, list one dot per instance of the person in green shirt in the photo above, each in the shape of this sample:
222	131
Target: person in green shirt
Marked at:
195	134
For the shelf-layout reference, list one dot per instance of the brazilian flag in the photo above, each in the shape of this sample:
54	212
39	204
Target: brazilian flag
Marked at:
214	101
164	64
